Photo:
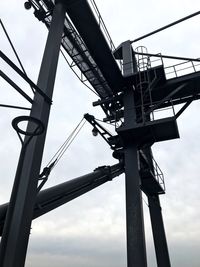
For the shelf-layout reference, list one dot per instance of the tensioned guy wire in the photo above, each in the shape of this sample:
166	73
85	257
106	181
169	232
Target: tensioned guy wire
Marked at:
14	50
62	149
165	27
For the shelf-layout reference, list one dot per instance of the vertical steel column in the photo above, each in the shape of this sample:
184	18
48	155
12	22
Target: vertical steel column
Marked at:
160	242
136	249
129	60
19	216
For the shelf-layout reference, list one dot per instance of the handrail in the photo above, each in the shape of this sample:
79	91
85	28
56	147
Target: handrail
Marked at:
103	28
175	68
101	23
158	173
177	71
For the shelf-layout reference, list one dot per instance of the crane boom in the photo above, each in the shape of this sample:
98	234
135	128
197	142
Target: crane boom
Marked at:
53	197
85	42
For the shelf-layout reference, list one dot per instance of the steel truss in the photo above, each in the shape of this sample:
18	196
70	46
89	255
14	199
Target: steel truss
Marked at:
130	96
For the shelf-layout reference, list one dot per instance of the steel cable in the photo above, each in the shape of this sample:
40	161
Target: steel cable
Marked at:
62	149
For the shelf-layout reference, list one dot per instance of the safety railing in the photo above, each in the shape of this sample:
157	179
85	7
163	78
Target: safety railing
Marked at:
181	69
158	174
151	61
103	28
102	24
172	71
152	165
146	80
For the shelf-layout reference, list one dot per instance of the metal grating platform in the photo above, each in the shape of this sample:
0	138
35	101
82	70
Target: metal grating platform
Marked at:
79	53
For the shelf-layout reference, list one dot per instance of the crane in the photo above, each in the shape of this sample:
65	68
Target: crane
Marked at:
130	89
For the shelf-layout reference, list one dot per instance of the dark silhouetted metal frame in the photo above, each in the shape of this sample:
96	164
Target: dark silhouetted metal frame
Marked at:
20	211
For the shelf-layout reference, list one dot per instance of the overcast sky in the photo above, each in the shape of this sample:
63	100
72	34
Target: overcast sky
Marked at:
90	231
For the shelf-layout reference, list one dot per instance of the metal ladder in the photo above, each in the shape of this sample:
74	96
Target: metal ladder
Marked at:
144	83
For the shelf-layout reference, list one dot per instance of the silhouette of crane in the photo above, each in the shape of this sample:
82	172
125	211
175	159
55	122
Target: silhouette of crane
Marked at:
131	85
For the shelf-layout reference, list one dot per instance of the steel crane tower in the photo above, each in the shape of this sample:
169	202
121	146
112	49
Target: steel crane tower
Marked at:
130	89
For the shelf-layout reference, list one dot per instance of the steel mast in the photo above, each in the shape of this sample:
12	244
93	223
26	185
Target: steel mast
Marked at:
20	211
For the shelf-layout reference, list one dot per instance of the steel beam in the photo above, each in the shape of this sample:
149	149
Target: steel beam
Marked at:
53	197
168	57
160	241
166	26
125	52
136	249
19	216
26	78
87	26
15	86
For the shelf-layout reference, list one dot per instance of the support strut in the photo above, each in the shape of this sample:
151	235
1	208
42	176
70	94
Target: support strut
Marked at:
136	249
160	241
19	216
53	197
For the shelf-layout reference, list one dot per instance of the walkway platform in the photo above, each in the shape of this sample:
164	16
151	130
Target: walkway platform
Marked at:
150	132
